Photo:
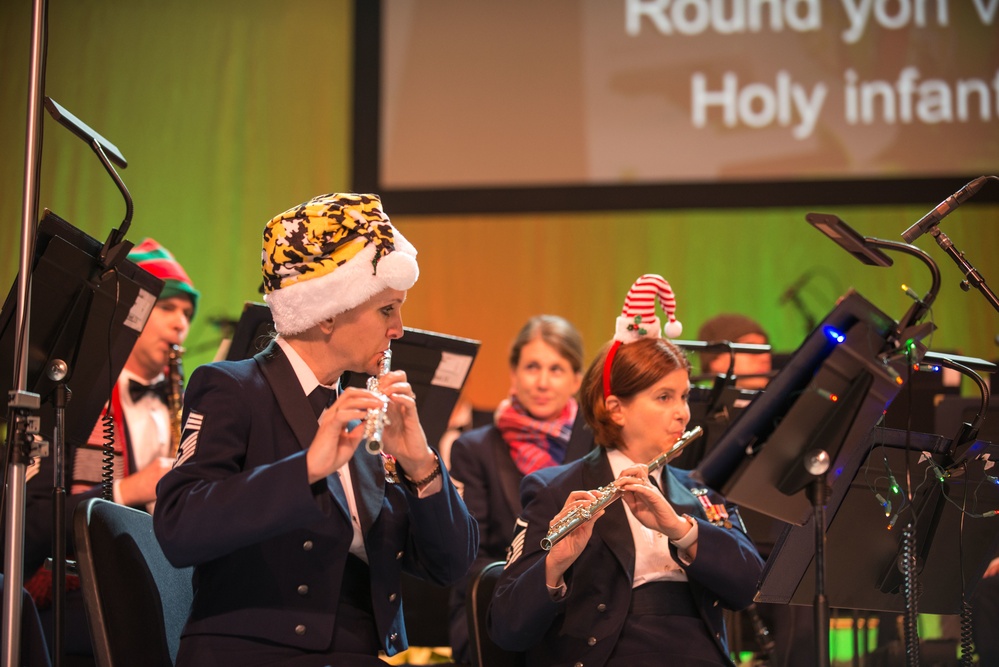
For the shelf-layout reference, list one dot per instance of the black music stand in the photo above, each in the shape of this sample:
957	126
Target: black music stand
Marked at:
864	554
436	365
81	314
794	439
713	409
88	318
754	462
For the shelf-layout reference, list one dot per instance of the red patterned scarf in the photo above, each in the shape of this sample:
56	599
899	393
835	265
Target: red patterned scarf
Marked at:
535	444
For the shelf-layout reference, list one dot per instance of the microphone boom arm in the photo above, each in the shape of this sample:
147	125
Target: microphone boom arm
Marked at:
929	224
972	278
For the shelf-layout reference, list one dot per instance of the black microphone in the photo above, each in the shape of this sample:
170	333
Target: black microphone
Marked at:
943	209
791	293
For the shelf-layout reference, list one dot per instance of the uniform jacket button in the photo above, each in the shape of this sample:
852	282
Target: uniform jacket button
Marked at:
299	630
715	603
303	590
578	664
307	545
591	641
398	556
601	607
392	597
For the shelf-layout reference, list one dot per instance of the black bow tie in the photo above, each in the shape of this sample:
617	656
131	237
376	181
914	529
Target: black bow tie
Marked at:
137	390
321	398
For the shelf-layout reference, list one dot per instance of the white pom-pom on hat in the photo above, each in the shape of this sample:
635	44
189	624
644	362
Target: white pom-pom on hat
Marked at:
638	317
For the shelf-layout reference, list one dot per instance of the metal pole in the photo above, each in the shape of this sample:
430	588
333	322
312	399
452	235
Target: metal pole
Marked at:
14	535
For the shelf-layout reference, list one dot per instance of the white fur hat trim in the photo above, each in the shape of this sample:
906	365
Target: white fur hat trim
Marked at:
306	303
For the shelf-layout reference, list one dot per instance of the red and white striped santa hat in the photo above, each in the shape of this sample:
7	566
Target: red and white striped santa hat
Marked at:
638	317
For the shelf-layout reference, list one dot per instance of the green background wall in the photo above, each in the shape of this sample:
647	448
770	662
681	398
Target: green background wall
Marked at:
230	112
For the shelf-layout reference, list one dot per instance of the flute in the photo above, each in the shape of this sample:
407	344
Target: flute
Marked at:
609	493
377	418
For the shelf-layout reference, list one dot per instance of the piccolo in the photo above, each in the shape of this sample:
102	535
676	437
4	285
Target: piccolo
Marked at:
607	494
377	418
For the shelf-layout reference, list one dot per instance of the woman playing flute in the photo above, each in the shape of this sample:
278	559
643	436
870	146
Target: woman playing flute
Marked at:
298	537
646	581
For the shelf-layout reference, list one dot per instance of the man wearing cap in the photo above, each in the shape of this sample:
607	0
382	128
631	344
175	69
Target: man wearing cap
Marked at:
298	540
139	398
141	420
751	371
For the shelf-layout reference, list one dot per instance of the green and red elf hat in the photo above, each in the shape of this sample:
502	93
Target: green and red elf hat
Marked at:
157	260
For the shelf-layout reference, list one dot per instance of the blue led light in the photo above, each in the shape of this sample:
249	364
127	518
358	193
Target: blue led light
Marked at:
834	334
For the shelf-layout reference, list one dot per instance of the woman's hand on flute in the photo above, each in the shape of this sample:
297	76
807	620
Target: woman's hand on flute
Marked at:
404	437
564	553
648	504
334	444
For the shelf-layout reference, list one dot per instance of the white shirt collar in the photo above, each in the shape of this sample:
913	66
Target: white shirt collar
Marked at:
306	377
619	461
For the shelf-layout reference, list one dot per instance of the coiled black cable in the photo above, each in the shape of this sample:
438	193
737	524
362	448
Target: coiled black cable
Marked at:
911	597
107	419
967	635
107	454
967	638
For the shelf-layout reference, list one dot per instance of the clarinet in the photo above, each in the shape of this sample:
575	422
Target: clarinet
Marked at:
609	493
377	418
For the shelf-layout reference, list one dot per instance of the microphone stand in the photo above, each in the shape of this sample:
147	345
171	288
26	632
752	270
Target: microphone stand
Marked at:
57	371
23	439
972	278
816	464
799	306
22	424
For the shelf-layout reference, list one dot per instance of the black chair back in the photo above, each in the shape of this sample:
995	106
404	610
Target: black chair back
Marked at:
136	601
425	610
485	653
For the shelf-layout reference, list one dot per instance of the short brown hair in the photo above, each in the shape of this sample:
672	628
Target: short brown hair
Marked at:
557	332
636	367
726	326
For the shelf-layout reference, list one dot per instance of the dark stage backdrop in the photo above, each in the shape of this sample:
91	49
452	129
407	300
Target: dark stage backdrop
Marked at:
232	111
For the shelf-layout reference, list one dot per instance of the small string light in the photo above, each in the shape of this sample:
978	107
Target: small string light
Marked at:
885	503
910	293
828	395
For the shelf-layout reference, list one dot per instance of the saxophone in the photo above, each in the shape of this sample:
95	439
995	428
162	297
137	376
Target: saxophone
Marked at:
175	399
610	492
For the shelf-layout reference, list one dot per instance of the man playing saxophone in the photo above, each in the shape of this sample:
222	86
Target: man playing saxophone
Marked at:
139	415
646	581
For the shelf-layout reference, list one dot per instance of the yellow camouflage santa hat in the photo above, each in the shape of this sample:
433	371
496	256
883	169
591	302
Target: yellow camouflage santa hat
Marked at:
330	254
